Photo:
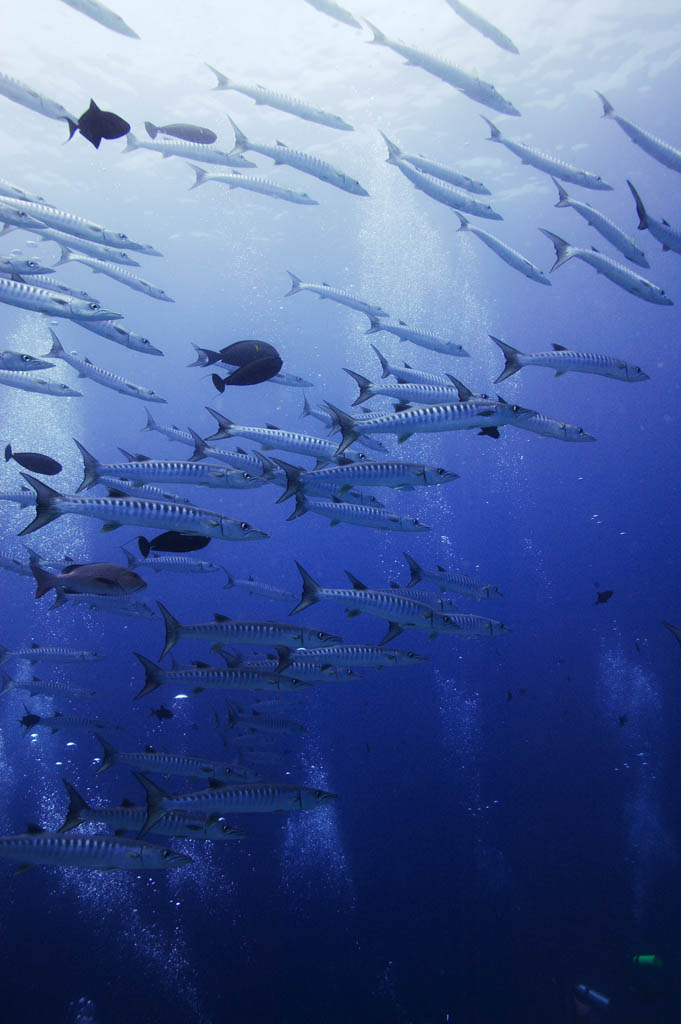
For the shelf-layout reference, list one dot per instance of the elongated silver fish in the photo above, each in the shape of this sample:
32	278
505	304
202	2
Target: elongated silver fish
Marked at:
278	100
104	377
424	394
351	655
153	515
256	464
16	91
424	339
39	385
440	604
14	192
117	273
484	27
211	678
366	474
469	586
245	799
470	85
649	143
101	853
263	186
258	588
188	150
537	423
339	511
604	226
615	272
303	671
13	265
329	421
12	217
172	563
21	362
443	193
100	252
405	374
124	606
103	15
325	291
121	336
562	360
57	722
129	818
334	11
50	284
172	433
444	173
164	472
548	164
23	498
224	630
477	626
55	655
162	763
272	437
50	687
305	162
71	224
666	235
510	256
28	296
256	721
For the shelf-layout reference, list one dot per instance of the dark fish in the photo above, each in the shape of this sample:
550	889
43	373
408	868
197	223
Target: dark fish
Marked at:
603	596
162	713
623	719
103	578
172	541
96	124
243	352
256	372
674	630
29	720
187	132
33	462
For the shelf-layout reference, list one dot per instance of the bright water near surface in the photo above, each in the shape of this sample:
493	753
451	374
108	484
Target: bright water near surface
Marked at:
507	821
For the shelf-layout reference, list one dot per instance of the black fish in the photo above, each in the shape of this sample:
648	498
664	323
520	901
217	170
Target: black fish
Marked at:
172	541
622	719
33	462
29	720
603	596
96	124
242	352
186	132
162	713
256	372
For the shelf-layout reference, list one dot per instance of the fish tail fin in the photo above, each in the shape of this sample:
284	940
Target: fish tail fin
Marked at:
152	129
495	134
44	580
45	505
564	250
563	197
307	409
144	546
73	128
295	284
155	796
464	225
364	385
57	350
91	469
511	355
130	558
394	151
375	324
77	807
152	676
131	143
301	507
385	366
223	81
200	447
224	426
204	356
218	382
608	109
310	594
640	209
230	580
285	656
172	629
293	485
201	176
6	682
8	452
347	425
151	423
379	38
240	141
415	568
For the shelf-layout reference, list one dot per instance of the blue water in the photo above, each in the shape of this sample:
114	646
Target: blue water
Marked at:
498	835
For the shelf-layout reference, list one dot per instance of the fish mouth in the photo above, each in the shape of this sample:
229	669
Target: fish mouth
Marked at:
101	314
257	535
359	191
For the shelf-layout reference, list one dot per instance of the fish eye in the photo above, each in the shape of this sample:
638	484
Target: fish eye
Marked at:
64	387
225	827
123	238
447	618
415	522
348	671
440	472
515	408
245	526
320	635
319	793
31	263
580	430
95	305
247	476
166	853
26	359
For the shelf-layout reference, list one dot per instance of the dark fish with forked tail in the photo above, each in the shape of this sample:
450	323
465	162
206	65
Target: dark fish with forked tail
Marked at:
96	124
34	462
172	540
186	132
255	372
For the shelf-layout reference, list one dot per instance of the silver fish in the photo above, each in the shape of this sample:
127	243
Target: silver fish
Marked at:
48	687
27	97
258	588
505	252
55	655
121	336
103	15
26	296
211	678
101	853
357	655
169	764
23	498
339	511
38	385
537	423
172	563
58	722
256	721
279	101
446	580
188	150
21	362
649	143
484	27
50	284
666	235
12	217
325	291
272	437
334	11
123	606
9	266
71	224
563	360
13	192
366	474
100	252
112	270
104	377
263	186
405	374
329	420
424	339
548	164
424	394
604	226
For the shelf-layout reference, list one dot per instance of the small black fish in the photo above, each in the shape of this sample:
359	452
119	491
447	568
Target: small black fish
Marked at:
172	541
162	713
242	352
623	719
33	462
255	372
96	124
29	720
186	132
603	596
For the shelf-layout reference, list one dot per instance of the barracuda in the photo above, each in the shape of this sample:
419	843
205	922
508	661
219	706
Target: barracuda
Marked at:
128	818
70	224
17	218
510	256
40	300
484	27
563	360
470	85
263	186
258	588
11	266
153	515
548	164
447	174
104	377
304	162
421	394
38	385
123	606
247	799
101	853
161	763
537	423
57	722
51	285
308	672
424	339
50	687
271	437
122	336
256	721
280	101
441	192
366	474
339	511
325	291
13	192
615	272
16	91
666	235
56	655
478	626
351	655
172	563
23	498
426	597
406	375
445	580
164	472
604	226
115	272
100	252
188	150
649	143
224	630
328	420
21	362
210	678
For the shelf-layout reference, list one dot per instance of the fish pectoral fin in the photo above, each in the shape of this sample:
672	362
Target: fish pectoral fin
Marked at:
402	438
334	522
560	373
23	867
108	527
394	629
352	612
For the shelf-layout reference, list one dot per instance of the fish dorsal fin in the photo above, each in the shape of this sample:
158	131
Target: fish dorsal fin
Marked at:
34	646
594	249
149	749
221	618
127	803
441	568
402	323
665	222
271	426
216	784
356	584
559	348
88	361
326	284
282	144
33	830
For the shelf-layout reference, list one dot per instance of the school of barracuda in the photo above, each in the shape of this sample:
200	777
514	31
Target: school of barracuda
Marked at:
292	658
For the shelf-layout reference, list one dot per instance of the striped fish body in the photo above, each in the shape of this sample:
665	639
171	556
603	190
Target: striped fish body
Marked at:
510	256
172	433
537	423
649	143
16	91
100	252
209	678
667	236
263	186
259	589
564	360
13	192
142	491
280	101
469	586
424	339
477	626
49	687
117	273
123	606
406	374
483	26
180	824
52	285
177	563
71	224
380	603
353	656
252	798
56	723
187	150
358	515
548	164
22	498
425	597
104	853
161	471
12	217
335	295
605	227
173	764
419	394
446	174
104	377
121	336
308	672
376	474
258	722
40	300
37	385
284	440
443	193
55	655
327	419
